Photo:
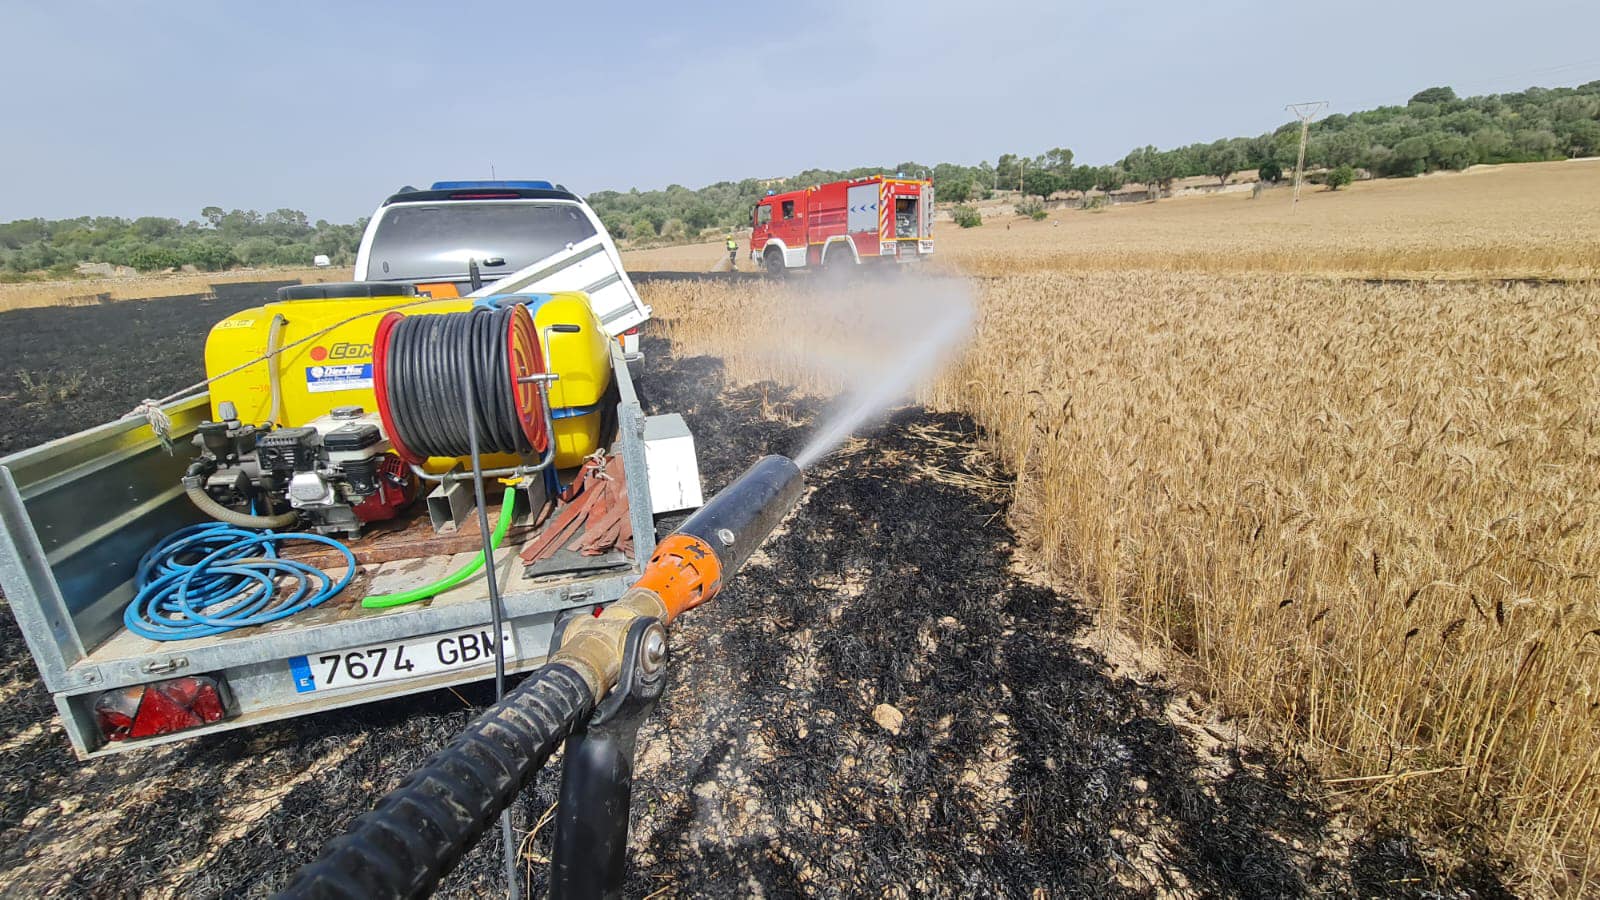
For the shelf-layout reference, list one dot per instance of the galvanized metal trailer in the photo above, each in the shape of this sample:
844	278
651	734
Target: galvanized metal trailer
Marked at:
77	514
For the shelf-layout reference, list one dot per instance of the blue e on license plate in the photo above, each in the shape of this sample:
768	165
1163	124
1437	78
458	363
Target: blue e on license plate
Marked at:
395	660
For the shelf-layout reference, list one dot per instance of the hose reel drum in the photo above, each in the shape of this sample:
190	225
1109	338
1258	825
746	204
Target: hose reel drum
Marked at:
420	362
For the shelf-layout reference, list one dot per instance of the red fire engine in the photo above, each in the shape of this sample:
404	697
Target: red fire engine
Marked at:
855	222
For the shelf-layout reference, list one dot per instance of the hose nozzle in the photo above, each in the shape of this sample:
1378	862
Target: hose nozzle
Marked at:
691	564
742	514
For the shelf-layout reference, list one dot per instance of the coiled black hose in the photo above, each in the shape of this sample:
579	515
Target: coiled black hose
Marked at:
418	833
423	369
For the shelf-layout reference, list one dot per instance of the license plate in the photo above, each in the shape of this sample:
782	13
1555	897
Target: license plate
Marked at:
395	660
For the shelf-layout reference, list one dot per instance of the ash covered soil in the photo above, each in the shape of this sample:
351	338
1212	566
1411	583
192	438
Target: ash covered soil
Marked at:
66	368
881	703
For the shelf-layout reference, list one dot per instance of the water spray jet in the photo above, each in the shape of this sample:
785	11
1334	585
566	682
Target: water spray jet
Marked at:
927	348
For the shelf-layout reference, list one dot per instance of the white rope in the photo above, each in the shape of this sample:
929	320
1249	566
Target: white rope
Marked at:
598	461
160	422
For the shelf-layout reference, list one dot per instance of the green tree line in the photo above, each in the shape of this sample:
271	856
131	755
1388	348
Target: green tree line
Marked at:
1434	130
217	240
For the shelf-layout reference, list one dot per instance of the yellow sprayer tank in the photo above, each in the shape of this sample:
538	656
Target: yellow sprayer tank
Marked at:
583	361
335	369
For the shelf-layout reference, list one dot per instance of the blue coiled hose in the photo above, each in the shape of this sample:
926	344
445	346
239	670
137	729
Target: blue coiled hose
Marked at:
213	578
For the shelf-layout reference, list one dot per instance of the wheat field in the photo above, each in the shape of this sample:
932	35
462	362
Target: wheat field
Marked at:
1363	513
705	256
1513	221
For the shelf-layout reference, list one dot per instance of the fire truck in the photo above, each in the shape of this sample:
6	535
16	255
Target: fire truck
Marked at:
878	219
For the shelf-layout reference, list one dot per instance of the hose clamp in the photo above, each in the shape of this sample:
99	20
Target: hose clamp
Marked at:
643	676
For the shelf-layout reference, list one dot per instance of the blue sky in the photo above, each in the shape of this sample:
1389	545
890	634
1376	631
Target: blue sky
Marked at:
144	108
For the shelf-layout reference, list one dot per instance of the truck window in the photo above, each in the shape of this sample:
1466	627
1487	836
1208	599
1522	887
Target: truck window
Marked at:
436	240
788	209
763	214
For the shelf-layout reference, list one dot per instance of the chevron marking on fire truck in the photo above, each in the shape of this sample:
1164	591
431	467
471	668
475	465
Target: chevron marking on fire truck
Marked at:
884	205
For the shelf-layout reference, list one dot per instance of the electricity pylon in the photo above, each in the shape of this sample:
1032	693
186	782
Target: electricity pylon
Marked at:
1305	112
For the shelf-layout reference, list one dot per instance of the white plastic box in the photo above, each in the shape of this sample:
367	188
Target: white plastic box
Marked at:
674	468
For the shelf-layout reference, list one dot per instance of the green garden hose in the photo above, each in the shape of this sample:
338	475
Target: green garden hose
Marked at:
507	513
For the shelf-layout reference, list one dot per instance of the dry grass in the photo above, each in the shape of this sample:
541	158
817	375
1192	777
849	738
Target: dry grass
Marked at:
706	256
1364	513
1537	220
89	291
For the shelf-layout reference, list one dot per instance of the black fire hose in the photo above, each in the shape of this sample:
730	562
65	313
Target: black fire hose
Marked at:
419	831
420	364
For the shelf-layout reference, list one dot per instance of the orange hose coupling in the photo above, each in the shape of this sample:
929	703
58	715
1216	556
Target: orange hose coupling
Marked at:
683	573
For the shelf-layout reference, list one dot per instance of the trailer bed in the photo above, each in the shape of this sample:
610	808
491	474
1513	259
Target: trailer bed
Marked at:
77	514
375	579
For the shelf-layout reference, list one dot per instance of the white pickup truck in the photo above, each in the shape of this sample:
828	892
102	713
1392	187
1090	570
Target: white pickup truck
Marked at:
462	237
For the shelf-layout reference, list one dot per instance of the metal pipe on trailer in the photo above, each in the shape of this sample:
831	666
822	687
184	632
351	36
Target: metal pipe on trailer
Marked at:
599	683
496	612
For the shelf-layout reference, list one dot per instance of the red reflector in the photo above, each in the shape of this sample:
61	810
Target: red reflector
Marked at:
161	708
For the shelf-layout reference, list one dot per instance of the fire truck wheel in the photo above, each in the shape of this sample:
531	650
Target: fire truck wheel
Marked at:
838	264
774	262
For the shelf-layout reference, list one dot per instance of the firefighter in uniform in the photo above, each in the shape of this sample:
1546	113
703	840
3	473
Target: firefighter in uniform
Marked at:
733	252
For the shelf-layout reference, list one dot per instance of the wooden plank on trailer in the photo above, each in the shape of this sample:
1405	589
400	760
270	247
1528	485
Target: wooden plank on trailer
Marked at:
472	588
477	587
407	538
403	575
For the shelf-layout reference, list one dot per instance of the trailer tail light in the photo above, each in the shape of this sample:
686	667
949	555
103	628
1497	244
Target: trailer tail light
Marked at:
165	707
629	340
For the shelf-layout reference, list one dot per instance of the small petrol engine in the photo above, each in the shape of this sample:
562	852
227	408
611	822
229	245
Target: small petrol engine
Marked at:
336	470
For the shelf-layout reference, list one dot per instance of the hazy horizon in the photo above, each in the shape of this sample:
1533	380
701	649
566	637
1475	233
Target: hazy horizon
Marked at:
120	109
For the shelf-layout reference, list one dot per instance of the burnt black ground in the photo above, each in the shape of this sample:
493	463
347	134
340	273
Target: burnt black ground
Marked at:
1021	764
65	368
